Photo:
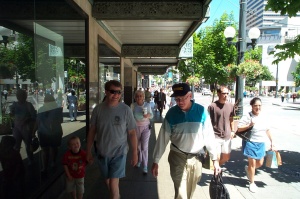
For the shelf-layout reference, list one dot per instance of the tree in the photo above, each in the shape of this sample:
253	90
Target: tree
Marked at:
213	54
288	50
17	59
296	75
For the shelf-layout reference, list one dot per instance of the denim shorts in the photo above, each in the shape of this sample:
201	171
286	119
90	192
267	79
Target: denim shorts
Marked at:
112	167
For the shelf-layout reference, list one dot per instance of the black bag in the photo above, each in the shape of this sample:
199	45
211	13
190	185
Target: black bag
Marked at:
217	189
150	127
245	135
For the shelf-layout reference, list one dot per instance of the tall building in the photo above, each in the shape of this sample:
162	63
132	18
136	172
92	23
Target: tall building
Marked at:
275	29
259	17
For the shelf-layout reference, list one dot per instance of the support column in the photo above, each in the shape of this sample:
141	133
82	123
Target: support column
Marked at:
129	84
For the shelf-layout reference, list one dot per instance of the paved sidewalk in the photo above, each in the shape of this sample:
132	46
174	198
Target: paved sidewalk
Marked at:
272	183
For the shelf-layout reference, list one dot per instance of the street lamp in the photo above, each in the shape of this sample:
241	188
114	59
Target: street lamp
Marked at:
253	34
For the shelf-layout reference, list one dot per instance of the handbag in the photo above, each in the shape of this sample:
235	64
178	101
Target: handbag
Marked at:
217	189
271	160
246	134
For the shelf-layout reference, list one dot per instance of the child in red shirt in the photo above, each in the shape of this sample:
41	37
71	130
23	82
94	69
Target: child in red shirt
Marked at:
74	162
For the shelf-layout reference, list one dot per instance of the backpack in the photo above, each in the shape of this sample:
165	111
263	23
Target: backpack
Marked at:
217	189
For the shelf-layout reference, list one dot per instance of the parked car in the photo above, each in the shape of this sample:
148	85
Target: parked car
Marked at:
206	91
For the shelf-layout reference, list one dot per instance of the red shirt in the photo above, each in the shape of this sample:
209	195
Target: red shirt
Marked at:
76	163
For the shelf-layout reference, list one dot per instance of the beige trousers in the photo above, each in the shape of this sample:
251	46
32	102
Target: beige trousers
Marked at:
186	172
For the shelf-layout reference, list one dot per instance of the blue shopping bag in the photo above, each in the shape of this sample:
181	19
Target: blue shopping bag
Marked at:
271	160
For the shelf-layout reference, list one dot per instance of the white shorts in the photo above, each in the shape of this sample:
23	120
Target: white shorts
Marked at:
223	145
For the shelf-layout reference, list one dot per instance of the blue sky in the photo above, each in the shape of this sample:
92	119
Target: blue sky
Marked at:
218	7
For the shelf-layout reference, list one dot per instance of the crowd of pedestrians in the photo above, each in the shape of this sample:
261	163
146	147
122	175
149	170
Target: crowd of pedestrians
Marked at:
190	128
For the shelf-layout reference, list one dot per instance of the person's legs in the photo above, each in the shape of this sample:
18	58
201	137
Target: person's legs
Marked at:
194	173
75	112
145	135
224	149
113	187
71	109
27	137
53	155
112	170
178	173
45	158
251	169
139	130
79	187
17	135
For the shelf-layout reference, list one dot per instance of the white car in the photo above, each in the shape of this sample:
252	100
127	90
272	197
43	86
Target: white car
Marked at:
206	91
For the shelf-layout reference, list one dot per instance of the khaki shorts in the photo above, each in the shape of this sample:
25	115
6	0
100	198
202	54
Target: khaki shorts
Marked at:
76	184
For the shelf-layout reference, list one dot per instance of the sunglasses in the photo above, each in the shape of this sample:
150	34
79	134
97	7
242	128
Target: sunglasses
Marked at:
225	93
115	92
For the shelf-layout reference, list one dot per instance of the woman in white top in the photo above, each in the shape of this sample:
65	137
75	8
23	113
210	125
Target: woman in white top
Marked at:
255	148
142	113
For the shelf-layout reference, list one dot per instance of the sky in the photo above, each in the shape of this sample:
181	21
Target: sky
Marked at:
218	7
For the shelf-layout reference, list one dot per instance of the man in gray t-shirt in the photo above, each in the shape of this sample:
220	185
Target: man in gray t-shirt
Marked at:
111	123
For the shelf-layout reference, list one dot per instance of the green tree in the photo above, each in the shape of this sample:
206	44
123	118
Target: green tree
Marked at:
213	54
296	75
18	58
287	50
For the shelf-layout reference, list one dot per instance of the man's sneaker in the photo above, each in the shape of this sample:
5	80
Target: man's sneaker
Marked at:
247	173
145	170
252	187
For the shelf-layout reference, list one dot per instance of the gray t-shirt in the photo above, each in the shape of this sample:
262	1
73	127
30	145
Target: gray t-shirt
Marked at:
112	124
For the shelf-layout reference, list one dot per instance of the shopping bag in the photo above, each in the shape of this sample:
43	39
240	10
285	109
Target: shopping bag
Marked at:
217	189
271	160
278	156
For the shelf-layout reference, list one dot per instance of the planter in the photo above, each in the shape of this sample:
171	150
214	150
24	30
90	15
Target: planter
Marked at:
81	107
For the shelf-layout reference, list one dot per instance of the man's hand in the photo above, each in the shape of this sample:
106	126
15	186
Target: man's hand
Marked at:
89	157
217	168
154	169
232	135
134	159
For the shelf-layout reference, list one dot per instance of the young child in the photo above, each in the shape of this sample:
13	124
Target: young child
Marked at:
13	169
74	162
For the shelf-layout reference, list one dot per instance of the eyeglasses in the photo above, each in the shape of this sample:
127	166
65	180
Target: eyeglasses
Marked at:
115	91
181	99
225	93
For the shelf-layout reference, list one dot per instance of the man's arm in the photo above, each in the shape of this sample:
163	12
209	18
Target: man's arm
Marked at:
133	142
90	141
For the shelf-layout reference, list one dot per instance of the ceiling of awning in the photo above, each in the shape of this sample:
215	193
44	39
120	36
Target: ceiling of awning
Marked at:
150	33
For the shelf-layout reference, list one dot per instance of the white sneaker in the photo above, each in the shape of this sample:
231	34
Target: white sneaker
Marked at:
253	187
247	173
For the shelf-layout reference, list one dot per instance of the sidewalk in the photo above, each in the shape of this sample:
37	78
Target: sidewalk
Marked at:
272	183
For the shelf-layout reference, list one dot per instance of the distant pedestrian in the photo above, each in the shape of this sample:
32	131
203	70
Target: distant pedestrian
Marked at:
148	96
24	120
73	104
5	93
50	132
282	96
294	96
255	149
74	162
288	96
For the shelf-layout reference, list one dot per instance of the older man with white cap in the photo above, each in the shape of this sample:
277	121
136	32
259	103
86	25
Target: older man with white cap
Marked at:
187	125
